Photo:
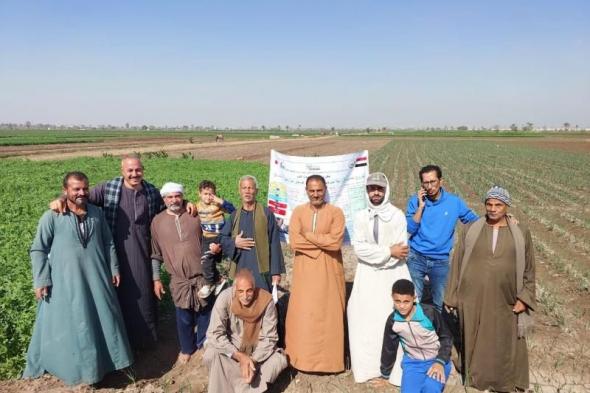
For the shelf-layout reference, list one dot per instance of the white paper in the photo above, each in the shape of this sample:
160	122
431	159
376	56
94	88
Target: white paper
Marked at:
275	293
345	177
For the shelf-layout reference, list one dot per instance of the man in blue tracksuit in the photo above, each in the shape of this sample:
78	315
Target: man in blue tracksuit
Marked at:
432	214
425	339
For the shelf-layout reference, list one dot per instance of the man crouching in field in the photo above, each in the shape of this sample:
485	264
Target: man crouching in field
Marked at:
79	334
241	350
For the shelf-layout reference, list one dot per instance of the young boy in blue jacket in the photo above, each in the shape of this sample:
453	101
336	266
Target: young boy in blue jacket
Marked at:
425	339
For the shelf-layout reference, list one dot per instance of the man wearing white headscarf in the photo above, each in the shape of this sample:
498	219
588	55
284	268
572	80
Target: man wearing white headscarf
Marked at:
380	243
176	242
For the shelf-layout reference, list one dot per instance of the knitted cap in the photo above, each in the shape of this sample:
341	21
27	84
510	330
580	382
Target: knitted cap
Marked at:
499	193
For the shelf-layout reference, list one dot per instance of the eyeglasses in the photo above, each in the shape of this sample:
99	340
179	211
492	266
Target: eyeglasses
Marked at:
429	183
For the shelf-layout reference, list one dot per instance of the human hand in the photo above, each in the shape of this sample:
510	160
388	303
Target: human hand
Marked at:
40	293
116	280
421	197
519	307
215	248
437	372
399	251
58	205
247	366
159	289
245	243
276	279
217	200
191	209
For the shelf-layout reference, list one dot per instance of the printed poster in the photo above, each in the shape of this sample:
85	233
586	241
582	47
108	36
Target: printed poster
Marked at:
345	179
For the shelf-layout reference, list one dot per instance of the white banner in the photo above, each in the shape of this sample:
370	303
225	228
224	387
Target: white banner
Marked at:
345	177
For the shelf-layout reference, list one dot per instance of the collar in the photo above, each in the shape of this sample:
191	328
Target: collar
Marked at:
417	317
443	196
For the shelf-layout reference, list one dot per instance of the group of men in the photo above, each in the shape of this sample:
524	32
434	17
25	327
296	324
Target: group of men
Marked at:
97	276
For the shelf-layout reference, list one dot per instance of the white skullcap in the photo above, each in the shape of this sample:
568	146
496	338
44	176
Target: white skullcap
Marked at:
170	188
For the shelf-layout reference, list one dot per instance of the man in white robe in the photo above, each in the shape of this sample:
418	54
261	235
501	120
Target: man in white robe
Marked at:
380	243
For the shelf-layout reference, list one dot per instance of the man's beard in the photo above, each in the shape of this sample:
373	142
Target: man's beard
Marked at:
174	208
378	201
80	202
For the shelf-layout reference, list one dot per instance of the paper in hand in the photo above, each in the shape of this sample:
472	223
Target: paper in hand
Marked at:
275	293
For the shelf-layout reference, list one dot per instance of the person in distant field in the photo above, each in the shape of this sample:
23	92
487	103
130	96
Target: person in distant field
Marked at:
380	243
314	330
251	238
492	289
431	216
425	339
241	350
176	241
79	335
211	209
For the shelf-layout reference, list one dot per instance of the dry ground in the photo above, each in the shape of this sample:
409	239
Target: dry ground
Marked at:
201	148
559	358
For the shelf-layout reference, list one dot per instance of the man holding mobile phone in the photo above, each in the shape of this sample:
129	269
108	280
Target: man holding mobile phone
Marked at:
432	214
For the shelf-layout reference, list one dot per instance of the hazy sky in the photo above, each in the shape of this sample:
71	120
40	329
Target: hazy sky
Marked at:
309	63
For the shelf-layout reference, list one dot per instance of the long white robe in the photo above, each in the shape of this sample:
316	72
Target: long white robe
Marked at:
370	302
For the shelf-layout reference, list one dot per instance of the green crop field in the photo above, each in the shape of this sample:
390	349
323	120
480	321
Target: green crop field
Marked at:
550	186
26	188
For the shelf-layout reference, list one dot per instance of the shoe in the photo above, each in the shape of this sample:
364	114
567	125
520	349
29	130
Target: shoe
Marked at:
219	286
205	291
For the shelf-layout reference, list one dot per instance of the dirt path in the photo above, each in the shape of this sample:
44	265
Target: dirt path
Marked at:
250	150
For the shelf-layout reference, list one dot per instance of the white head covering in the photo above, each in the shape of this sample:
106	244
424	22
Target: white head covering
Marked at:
385	209
170	187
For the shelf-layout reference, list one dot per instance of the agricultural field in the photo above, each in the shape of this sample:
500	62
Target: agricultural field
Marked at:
548	179
24	137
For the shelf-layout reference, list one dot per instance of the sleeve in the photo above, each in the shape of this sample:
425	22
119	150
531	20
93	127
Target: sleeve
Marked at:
410	211
40	251
453	279
527	294
389	348
155	270
217	334
228	245
296	239
109	245
366	251
466	215
227	207
156	250
96	195
268	335
331	241
445	337
277	264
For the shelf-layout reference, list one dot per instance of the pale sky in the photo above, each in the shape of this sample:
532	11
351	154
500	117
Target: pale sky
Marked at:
311	63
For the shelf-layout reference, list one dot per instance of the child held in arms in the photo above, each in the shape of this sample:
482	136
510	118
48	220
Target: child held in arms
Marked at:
426	342
211	210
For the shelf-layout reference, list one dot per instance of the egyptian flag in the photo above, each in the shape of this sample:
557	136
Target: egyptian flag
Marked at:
278	208
361	161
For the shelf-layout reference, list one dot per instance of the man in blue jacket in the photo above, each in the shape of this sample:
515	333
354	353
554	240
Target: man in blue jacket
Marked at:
432	214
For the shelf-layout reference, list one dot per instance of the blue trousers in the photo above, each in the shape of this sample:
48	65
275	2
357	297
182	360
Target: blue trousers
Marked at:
186	323
437	271
415	380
